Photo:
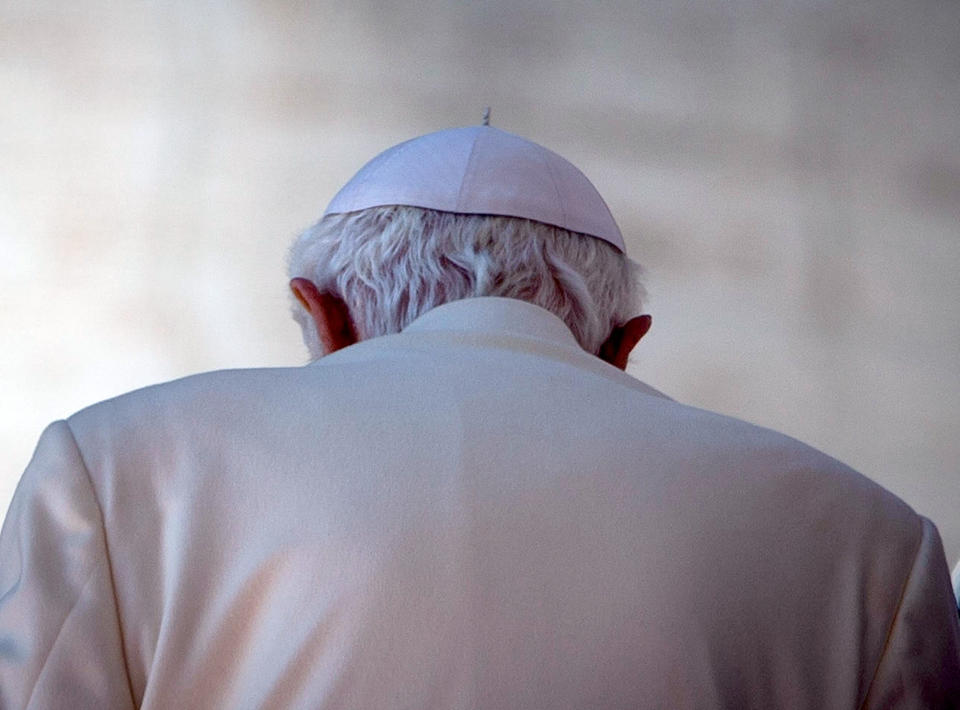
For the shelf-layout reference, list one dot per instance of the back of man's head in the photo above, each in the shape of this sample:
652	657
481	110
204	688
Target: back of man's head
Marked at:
464	213
393	263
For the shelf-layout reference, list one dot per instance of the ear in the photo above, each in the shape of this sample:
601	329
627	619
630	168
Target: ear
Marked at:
329	313
617	347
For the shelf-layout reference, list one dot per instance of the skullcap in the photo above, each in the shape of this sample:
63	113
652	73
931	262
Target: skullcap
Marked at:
481	170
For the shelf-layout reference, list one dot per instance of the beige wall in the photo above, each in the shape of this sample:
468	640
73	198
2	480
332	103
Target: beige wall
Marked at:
789	173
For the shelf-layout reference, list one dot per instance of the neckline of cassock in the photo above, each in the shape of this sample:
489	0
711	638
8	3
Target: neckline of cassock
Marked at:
492	314
492	321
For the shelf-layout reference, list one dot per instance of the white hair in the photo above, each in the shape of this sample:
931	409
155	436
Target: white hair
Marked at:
391	264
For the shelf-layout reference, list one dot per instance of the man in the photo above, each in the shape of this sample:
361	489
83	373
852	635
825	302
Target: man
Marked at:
464	502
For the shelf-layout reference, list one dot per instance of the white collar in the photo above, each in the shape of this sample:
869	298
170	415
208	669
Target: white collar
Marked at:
489	320
491	314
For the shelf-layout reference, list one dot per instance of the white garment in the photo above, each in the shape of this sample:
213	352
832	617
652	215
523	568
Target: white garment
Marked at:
474	513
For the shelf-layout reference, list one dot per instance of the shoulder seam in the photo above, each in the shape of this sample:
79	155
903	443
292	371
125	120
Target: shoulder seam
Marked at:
106	549
896	613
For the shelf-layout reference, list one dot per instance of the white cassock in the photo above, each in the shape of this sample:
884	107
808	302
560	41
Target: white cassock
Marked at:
474	513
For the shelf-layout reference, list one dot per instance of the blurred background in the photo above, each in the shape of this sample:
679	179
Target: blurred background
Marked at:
788	173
